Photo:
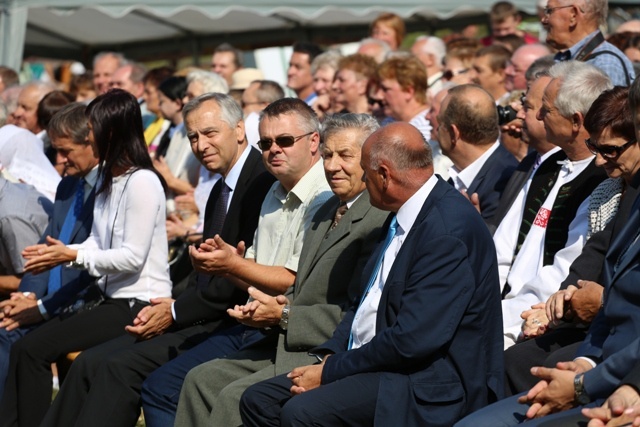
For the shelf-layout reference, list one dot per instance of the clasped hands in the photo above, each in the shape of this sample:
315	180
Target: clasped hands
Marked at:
262	311
216	257
19	310
581	302
555	392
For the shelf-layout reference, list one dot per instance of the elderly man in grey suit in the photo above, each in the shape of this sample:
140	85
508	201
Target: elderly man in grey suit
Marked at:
342	235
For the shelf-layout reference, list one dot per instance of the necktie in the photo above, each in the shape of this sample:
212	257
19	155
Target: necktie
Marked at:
55	278
217	220
220	210
391	232
342	209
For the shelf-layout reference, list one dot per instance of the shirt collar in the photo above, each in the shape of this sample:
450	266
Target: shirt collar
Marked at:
306	186
573	50
91	178
409	211
234	174
462	179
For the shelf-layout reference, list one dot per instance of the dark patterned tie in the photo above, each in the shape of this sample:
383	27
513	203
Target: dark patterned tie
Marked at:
342	209
217	220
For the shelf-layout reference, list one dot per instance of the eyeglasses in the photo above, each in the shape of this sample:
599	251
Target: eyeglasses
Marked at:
449	74
281	141
607	151
373	101
548	11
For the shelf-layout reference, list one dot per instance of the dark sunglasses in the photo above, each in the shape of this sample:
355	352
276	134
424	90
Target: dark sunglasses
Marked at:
449	74
373	101
607	151
281	141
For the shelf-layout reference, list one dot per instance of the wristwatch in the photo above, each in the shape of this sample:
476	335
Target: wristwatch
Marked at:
284	318
581	396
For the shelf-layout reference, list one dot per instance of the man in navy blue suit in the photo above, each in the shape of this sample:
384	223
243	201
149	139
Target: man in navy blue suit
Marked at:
40	296
423	344
468	133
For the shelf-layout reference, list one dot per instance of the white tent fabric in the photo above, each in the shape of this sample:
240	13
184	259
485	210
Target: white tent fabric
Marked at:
78	24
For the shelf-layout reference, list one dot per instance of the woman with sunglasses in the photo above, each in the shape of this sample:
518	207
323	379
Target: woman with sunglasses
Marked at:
126	251
612	140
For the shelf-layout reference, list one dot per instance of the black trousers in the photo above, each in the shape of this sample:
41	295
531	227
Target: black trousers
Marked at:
104	383
558	345
350	401
28	388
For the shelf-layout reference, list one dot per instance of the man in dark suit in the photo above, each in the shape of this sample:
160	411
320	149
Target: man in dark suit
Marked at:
337	245
423	347
610	350
41	296
468	134
167	328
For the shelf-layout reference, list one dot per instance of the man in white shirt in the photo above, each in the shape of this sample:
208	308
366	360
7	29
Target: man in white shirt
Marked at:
554	226
468	135
430	51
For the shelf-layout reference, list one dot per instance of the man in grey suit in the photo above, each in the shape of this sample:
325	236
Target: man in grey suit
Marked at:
335	251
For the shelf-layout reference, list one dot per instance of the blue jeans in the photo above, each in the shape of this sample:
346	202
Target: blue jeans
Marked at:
161	389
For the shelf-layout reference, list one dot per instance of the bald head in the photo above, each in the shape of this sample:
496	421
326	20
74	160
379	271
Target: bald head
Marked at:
473	111
397	162
520	62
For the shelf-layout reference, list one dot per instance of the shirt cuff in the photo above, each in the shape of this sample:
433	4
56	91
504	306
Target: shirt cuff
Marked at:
42	310
588	360
78	263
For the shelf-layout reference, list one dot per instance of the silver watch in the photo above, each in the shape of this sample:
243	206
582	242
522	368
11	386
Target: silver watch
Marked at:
581	396
284	318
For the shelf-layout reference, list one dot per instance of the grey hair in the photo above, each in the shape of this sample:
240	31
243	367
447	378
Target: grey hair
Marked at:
211	82
385	49
434	46
396	151
594	9
328	59
230	111
580	85
365	123
70	122
540	67
268	91
120	57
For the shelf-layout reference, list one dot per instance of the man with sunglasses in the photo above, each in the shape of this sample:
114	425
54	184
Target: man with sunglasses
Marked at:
336	248
573	28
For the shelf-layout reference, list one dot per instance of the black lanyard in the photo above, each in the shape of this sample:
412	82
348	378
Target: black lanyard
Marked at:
589	47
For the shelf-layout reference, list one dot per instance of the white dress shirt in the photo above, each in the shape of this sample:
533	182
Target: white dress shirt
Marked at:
363	328
462	179
127	246
532	282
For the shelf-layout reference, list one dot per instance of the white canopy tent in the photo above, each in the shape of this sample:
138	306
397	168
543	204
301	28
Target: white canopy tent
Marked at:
82	27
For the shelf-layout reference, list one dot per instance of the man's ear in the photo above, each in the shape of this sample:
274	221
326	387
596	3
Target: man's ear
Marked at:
577	120
455	133
384	173
240	131
314	142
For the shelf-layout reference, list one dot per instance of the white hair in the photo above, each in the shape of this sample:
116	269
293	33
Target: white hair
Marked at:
580	85
433	46
210	81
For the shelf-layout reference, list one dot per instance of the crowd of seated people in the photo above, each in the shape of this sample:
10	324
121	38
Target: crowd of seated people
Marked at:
443	233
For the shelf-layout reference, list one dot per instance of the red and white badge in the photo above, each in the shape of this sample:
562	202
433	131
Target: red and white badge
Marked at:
542	218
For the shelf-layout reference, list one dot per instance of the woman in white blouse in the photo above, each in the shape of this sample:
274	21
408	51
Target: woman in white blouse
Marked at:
127	250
